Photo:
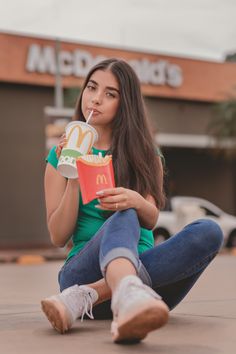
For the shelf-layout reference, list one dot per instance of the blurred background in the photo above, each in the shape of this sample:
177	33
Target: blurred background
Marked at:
184	53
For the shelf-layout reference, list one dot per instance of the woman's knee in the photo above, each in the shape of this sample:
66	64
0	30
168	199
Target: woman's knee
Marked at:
124	219
210	234
127	214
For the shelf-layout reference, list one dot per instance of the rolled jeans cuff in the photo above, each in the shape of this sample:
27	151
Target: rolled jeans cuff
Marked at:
119	252
144	275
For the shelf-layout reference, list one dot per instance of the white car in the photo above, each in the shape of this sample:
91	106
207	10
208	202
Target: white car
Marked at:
182	210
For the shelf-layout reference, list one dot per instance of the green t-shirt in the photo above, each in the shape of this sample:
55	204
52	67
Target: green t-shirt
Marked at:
90	219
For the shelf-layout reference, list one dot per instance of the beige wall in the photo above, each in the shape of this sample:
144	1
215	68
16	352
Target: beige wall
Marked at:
202	173
22	152
179	117
194	171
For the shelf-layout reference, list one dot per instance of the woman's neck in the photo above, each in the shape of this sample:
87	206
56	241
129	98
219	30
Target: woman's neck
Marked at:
104	138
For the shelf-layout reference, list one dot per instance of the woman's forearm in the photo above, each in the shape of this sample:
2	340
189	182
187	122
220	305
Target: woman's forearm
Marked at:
147	213
62	221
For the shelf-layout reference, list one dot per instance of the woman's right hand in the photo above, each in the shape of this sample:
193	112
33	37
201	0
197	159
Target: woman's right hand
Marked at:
60	145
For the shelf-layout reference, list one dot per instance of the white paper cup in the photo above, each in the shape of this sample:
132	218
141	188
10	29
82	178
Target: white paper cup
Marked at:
80	139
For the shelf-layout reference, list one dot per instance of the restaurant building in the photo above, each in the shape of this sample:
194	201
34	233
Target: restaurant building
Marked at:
179	92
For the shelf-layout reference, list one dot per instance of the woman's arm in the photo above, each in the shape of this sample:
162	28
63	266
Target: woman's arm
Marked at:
123	198
147	212
62	205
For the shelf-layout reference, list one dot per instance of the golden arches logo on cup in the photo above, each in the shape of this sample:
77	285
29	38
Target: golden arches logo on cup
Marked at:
80	139
101	179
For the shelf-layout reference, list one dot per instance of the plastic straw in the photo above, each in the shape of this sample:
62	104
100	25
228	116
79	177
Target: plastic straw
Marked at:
89	117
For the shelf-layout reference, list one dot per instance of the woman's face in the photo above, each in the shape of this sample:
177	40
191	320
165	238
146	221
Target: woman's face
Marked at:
102	96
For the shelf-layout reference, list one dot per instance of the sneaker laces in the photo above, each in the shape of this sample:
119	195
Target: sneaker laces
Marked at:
79	303
87	307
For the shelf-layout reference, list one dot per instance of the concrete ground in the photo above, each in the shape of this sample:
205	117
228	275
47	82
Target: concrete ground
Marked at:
204	323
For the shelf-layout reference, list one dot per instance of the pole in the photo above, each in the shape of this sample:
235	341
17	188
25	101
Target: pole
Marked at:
58	90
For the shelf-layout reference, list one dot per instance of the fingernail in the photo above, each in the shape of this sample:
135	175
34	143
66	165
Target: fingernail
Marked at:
100	193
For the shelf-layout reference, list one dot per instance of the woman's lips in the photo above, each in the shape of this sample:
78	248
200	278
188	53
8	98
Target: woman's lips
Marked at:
95	111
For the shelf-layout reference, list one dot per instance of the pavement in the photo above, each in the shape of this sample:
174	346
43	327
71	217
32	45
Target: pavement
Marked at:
204	323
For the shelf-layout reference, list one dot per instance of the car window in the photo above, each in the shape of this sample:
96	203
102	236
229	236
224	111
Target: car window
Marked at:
209	212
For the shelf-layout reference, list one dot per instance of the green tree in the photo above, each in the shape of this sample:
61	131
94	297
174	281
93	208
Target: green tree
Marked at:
223	123
231	57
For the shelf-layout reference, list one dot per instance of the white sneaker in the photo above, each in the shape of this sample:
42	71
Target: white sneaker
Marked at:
74	302
137	310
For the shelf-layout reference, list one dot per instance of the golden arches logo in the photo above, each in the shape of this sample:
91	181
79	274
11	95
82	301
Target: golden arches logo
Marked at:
81	136
101	179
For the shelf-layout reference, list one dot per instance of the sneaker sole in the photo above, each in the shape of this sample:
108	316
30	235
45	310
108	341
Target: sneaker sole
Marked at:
136	327
56	314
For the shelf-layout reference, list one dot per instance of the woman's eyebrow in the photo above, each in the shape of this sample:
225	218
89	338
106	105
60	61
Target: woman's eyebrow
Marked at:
94	82
107	87
113	89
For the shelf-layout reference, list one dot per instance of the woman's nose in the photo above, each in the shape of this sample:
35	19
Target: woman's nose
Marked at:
96	99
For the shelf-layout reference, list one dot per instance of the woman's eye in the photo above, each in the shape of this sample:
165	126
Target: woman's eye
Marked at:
109	94
90	87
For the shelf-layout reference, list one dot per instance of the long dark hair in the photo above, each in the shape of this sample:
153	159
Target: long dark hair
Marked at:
134	154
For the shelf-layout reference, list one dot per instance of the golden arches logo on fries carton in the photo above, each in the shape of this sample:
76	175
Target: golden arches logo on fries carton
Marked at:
95	173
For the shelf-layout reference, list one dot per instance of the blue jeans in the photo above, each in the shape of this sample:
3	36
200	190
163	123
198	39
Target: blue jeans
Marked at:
170	268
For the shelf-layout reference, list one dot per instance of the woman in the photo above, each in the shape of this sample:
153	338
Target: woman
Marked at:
113	254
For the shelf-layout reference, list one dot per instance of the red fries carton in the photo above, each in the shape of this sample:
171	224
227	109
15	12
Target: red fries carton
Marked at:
95	173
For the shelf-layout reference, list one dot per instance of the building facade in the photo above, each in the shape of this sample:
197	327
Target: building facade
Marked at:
179	94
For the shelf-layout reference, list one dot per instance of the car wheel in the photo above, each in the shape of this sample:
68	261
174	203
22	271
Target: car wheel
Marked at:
232	240
160	235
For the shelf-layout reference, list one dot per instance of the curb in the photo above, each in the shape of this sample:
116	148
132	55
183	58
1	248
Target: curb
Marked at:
27	257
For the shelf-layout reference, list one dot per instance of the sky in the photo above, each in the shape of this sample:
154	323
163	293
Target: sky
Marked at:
202	29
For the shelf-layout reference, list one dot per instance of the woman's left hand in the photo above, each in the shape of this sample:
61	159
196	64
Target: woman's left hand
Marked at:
118	198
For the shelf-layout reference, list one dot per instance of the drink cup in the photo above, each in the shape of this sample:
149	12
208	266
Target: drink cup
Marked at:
80	139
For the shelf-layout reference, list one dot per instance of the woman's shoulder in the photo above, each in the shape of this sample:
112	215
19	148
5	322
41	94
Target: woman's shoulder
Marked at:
52	157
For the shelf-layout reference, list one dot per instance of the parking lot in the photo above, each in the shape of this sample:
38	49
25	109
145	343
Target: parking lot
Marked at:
204	323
